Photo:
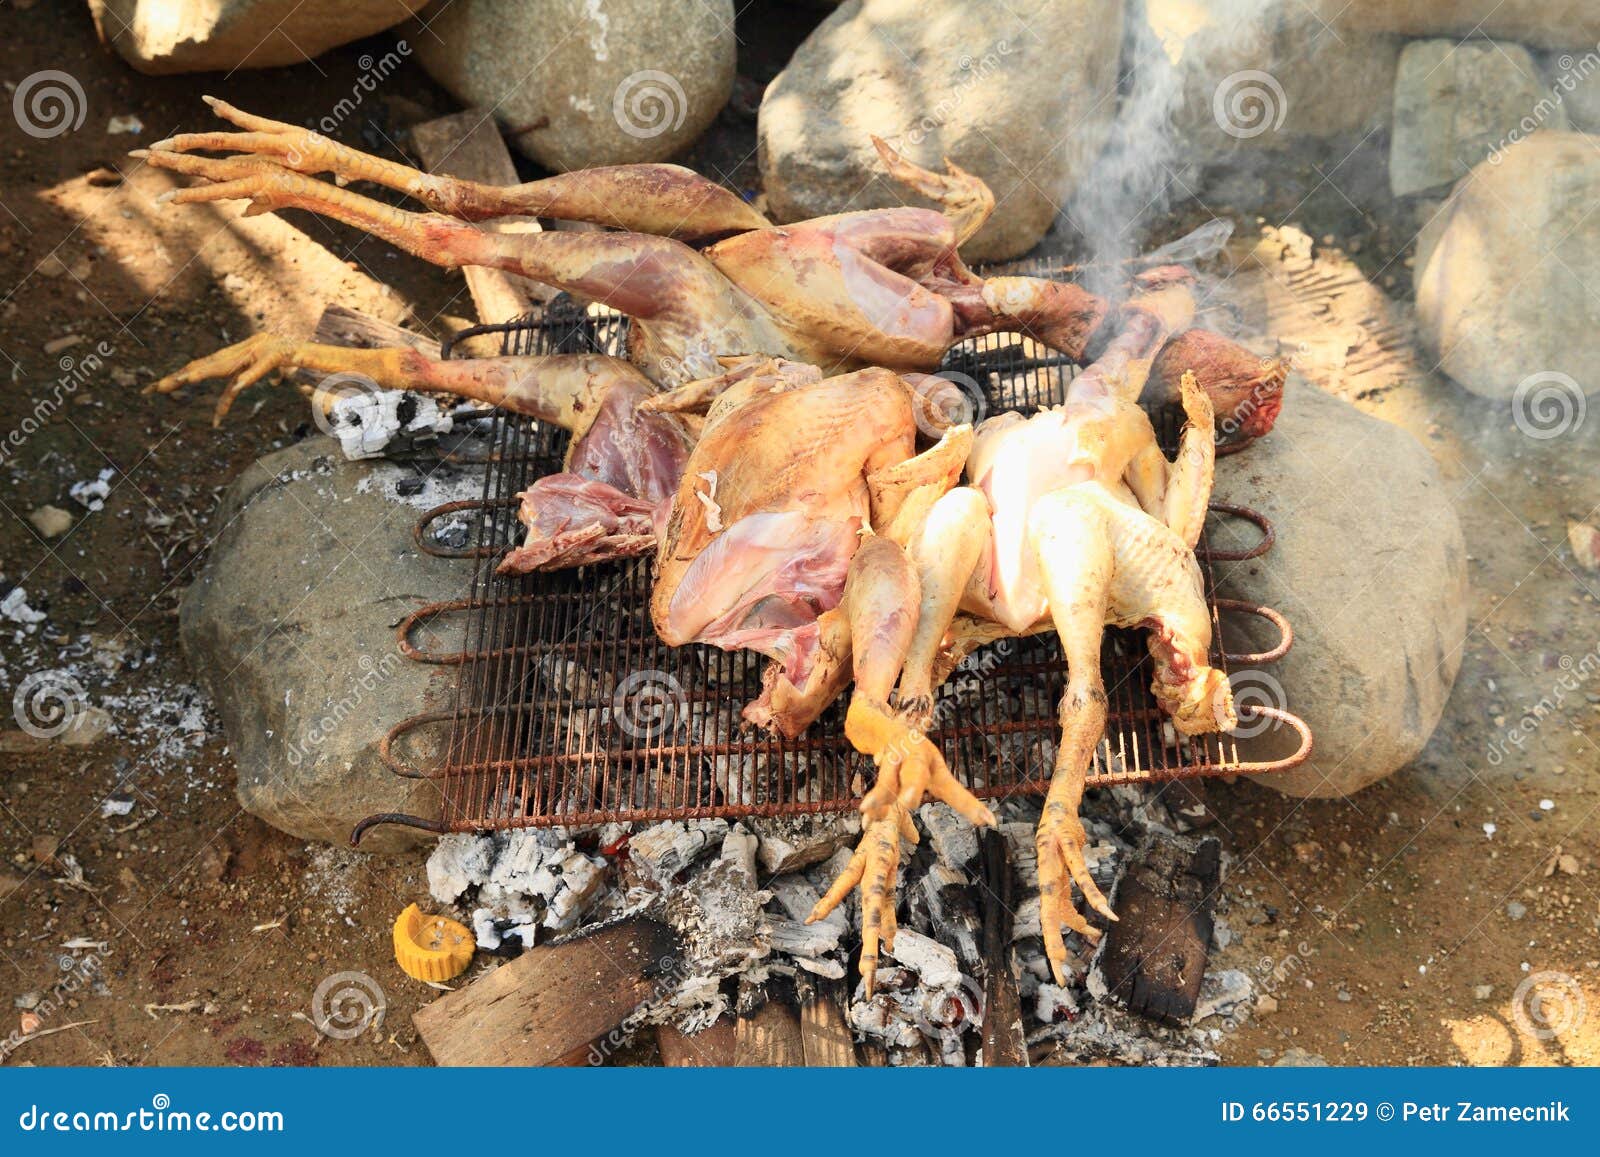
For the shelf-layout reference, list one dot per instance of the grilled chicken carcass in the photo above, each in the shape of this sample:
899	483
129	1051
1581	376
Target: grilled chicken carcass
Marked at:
808	529
1085	523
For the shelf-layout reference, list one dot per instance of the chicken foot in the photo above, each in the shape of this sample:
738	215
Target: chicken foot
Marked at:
558	388
664	200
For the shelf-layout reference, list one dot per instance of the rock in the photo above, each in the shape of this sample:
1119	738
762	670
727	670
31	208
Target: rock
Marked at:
291	629
584	83
1483	992
1506	317
1455	104
1299	1058
50	521
987	80
1221	992
88	725
1264	85
1541	23
1370	569
1516	910
167	36
1266	1004
1584	540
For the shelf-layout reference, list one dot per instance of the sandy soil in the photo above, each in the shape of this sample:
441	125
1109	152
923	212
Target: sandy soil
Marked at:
1377	923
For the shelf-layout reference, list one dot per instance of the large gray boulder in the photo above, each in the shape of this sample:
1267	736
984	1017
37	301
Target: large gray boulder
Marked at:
1022	94
168	36
575	83
291	629
1541	23
1370	568
1457	103
1264	85
1505	272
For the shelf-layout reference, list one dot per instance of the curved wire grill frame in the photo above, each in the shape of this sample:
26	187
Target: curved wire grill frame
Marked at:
504	766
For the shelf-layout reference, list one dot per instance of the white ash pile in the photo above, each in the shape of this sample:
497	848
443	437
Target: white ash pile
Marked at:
737	896
516	883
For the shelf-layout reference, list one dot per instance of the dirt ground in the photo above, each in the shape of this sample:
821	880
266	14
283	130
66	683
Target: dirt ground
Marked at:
1389	928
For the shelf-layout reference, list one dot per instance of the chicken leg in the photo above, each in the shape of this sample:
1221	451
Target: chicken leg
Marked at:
881	601
665	200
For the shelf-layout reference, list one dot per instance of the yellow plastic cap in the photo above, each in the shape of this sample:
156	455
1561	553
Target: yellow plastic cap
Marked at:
431	947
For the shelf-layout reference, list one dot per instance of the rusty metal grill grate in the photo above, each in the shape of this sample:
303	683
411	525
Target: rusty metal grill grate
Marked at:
570	711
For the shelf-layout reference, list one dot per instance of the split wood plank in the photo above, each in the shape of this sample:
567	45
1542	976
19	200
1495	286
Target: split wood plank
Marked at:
769	1038
551	1001
712	1047
468	145
825	1035
1005	1043
342	326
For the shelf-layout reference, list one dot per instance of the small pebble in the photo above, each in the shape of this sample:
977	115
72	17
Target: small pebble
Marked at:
50	521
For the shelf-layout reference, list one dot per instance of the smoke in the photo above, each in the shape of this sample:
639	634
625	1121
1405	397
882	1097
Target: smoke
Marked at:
1175	51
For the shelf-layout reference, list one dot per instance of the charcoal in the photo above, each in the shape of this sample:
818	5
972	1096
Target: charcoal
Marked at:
666	849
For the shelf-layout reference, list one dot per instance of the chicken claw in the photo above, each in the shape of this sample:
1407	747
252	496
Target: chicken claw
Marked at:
302	150
873	869
245	363
909	767
1060	842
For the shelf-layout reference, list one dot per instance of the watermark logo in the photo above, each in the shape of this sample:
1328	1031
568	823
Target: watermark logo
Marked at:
77	974
1252	690
48	104
950	1012
347	1004
647	704
373	72
316	733
74	375
1547	1005
1573	73
1547	405
47	703
649	103
947	399
972	71
332	403
1248	103
1574	674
